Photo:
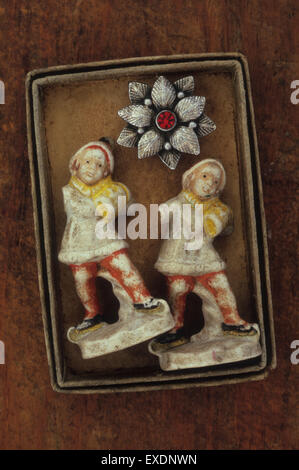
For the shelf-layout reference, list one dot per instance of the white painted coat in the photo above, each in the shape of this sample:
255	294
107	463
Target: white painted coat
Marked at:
80	243
174	259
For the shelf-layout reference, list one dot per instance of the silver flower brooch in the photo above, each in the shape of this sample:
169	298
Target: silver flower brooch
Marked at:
165	120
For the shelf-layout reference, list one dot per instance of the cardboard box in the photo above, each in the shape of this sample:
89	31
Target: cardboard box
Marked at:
67	106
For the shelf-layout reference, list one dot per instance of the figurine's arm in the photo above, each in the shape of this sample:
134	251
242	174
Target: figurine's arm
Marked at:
74	206
126	192
216	219
110	196
67	200
228	230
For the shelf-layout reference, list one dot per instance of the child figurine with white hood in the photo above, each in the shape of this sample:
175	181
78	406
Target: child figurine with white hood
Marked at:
202	271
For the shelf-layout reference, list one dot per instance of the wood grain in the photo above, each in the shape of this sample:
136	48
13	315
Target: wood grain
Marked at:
258	415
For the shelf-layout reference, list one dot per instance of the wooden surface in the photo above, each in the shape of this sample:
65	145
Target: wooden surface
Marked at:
259	415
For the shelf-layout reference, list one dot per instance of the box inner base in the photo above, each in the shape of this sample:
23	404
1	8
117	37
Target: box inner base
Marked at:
75	114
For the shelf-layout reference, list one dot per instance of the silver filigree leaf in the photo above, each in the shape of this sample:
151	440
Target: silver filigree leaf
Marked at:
205	126
185	140
137	115
185	84
128	137
190	108
170	158
163	93
138	92
150	144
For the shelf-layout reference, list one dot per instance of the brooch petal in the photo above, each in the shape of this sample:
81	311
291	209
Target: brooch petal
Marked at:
185	84
137	115
185	140
190	108
128	137
205	126
170	158
163	93
138	92
150	144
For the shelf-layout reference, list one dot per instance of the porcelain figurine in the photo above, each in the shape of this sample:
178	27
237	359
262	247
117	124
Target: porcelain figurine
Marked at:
141	316
226	337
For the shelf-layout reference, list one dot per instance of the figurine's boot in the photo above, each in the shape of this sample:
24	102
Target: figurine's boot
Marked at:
170	340
217	284
90	324
178	288
239	330
85	275
86	327
148	305
127	275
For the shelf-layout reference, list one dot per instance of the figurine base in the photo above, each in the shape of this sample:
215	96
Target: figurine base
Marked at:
218	350
139	327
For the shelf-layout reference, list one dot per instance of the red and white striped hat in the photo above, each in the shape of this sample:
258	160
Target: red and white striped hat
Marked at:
99	147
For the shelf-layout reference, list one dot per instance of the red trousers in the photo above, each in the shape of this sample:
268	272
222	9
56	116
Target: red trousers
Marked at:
215	283
120	267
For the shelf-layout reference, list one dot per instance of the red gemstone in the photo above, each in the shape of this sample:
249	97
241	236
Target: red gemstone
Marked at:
166	120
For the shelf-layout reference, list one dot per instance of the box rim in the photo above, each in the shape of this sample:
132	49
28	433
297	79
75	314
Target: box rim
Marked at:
35	75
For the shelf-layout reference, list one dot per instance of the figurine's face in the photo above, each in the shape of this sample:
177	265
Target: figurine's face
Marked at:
91	166
206	180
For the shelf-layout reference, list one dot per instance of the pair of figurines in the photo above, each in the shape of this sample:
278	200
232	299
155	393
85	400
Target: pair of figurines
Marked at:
225	338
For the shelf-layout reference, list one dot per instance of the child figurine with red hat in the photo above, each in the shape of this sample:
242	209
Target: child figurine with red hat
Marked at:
90	187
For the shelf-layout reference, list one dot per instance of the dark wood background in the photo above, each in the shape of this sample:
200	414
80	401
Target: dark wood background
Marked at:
259	415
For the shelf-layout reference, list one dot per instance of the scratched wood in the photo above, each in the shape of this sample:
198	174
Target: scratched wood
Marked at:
258	415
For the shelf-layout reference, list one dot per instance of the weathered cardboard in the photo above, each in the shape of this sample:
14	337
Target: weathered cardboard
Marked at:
68	106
